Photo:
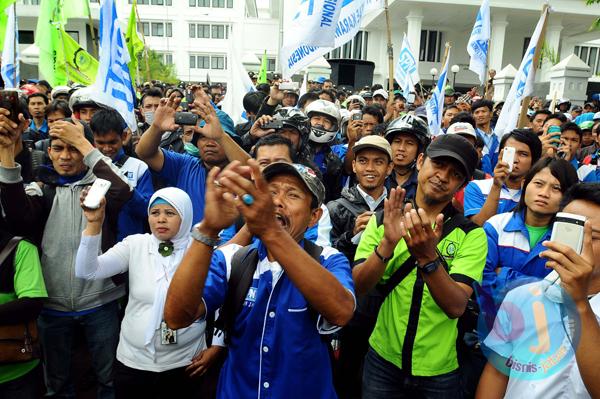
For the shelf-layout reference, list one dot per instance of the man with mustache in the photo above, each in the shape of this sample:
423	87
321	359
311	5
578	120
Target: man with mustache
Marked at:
439	254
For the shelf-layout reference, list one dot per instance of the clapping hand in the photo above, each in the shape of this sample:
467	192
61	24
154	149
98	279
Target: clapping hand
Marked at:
421	239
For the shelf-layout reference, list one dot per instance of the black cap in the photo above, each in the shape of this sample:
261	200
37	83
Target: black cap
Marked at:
455	147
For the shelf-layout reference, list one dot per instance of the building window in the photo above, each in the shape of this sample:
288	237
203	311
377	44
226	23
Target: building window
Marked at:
141	2
591	56
219	32
153	2
144	27
218	3
204	61
74	34
26	37
431	46
355	49
158	29
32	2
166	58
217	62
199	3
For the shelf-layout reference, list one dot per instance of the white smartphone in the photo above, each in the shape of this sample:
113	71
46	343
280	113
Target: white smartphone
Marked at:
508	156
568	230
96	193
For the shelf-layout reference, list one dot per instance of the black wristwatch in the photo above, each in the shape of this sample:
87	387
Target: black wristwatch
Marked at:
431	266
381	257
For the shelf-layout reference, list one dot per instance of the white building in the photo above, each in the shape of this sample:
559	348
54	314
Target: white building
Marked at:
200	37
430	23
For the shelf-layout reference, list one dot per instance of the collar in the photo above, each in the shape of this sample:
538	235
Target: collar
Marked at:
373	203
516	222
42	128
119	156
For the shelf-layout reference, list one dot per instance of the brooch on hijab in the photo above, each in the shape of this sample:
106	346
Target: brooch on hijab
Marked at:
165	248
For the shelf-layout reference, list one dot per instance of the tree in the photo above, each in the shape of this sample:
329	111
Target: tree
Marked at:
158	69
596	24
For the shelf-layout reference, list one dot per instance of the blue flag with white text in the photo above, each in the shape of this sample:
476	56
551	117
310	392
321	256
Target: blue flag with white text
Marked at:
113	81
435	105
406	72
479	41
10	52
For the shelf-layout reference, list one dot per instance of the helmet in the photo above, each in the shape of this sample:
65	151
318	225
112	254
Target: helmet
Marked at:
82	98
330	110
58	90
409	124
294	118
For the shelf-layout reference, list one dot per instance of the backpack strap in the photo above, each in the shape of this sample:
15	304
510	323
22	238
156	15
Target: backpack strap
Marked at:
243	266
355	210
411	263
7	265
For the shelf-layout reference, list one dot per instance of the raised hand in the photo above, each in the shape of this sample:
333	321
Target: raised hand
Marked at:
575	270
218	214
421	239
257	130
164	116
10	132
500	171
202	107
93	216
393	210
69	132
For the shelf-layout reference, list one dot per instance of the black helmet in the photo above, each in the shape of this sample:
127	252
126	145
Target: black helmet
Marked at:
295	118
409	124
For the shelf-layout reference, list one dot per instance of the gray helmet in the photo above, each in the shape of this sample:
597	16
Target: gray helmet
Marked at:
294	118
409	124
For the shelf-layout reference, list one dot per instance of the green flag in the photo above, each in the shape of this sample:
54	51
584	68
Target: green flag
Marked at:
134	43
4	4
78	65
262	74
74	9
47	38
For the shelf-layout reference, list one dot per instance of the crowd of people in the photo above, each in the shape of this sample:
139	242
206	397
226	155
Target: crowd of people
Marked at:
328	246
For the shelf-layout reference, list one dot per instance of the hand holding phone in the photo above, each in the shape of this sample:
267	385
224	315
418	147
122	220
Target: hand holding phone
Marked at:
9	100
97	191
186	118
554	132
508	157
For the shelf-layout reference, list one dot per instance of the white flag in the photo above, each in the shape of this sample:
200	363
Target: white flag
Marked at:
238	85
294	58
10	53
407	68
314	23
522	85
304	87
435	105
113	86
479	41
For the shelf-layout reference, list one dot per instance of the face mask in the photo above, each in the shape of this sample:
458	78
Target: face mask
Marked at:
149	117
192	150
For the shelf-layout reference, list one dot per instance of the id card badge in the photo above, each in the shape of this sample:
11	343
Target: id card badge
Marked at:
167	336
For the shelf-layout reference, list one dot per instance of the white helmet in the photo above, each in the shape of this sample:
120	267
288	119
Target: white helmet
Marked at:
82	98
60	90
328	109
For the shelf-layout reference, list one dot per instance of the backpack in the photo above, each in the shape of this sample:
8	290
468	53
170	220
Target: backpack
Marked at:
243	266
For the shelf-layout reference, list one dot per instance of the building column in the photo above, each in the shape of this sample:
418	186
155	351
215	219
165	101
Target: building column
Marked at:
496	50
552	40
413	30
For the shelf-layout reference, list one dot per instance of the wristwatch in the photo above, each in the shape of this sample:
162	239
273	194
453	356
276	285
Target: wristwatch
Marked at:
381	257
204	239
431	266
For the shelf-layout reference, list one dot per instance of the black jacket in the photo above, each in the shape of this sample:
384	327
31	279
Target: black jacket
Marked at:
343	218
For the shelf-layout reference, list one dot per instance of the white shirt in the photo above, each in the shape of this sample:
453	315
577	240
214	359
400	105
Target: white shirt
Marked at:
133	254
372	203
564	380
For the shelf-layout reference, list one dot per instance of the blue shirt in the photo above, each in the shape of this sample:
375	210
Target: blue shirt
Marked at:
339	150
589	173
490	151
275	349
477	192
188	174
42	130
508	248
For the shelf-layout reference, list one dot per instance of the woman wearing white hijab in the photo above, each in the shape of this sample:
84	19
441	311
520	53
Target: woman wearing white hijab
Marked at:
151	359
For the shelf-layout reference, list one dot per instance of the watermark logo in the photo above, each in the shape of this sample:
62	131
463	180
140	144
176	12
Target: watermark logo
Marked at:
530	331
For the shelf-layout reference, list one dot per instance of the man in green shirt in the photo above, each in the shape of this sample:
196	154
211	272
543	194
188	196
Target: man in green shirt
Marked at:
20	302
413	346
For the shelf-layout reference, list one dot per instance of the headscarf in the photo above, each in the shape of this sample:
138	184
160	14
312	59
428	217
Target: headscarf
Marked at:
165	266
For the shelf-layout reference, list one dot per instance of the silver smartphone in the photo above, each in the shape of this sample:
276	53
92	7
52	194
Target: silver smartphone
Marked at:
96	193
567	230
508	156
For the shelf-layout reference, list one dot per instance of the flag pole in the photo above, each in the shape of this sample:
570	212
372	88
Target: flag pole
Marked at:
91	25
536	60
137	15
15	44
446	51
487	71
390	51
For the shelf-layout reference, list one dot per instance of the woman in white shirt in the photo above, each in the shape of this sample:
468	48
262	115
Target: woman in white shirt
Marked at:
151	359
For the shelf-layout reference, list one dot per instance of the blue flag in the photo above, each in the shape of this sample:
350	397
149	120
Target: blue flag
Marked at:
113	86
10	53
479	41
406	72
435	105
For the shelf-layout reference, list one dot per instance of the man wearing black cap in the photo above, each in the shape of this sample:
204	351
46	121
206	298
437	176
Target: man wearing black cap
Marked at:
298	292
430	255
